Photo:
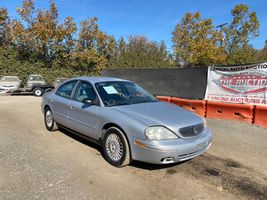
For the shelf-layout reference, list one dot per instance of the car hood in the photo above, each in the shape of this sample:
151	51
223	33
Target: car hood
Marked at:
160	113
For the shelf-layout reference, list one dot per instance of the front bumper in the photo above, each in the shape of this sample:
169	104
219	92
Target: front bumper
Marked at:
170	151
8	89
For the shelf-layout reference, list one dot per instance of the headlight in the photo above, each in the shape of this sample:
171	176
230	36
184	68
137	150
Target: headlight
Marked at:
159	133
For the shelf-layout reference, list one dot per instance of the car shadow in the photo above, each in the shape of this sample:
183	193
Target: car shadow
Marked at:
20	94
134	164
152	167
81	140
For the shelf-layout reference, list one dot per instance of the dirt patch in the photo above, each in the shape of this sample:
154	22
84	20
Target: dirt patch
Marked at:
171	171
212	172
232	163
226	174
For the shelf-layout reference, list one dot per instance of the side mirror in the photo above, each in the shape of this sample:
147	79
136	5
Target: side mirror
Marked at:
89	101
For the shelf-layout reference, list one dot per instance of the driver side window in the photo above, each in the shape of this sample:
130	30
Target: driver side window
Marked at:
84	91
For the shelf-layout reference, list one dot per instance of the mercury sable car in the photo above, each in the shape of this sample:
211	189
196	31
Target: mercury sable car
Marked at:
127	121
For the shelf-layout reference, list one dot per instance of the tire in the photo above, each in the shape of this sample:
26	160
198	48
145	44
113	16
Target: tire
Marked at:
38	92
50	123
116	148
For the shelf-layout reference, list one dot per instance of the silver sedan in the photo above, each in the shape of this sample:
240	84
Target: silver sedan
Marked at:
9	84
127	121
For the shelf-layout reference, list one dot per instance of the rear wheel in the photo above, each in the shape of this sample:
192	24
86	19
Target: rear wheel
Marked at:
116	148
50	123
38	92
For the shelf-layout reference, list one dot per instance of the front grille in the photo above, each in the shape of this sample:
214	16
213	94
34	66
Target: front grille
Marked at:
192	131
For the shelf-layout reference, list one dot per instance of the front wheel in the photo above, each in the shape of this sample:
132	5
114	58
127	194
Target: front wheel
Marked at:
50	123
116	148
38	92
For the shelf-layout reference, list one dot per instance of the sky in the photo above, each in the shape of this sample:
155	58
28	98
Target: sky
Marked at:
155	19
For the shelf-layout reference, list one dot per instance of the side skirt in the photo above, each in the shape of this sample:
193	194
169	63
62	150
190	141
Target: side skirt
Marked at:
80	135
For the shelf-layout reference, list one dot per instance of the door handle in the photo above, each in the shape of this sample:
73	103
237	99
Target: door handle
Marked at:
71	107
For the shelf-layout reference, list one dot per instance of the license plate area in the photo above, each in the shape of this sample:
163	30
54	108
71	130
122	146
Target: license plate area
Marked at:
201	146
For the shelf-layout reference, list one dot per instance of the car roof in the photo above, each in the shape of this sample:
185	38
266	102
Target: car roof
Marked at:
10	76
35	75
97	79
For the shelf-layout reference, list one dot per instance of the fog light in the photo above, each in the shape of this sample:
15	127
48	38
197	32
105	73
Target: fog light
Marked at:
167	160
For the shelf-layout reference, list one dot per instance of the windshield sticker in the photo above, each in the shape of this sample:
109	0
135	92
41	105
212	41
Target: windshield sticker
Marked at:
110	90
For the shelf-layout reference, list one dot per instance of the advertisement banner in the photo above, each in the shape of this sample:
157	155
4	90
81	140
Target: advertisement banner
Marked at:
239	84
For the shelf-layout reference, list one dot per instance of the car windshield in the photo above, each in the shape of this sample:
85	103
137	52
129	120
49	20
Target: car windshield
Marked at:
36	78
9	79
116	93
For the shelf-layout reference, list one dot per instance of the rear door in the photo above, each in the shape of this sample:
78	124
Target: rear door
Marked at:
83	118
61	102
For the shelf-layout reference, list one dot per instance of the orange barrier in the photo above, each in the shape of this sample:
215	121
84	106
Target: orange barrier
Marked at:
219	110
260	117
197	106
164	98
239	112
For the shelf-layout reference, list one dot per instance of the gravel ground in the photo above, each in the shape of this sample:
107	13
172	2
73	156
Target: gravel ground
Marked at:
37	164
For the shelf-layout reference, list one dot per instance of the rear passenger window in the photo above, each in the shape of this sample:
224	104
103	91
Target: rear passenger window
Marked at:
66	89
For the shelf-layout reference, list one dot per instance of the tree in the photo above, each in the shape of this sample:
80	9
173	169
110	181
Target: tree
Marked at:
93	49
42	36
196	42
139	52
4	27
91	37
261	55
243	28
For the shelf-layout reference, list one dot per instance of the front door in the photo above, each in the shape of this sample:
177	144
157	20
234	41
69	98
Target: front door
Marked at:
83	117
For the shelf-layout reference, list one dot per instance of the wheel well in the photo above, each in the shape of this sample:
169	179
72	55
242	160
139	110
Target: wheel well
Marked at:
107	126
46	107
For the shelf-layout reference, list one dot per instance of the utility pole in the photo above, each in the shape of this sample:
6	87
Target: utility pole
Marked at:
220	26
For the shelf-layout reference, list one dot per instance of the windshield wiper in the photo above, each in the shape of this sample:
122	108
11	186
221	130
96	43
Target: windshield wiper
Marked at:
117	104
121	103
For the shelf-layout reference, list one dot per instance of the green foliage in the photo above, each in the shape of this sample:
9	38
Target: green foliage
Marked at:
93	48
11	65
41	44
261	55
140	53
244	55
243	28
38	42
4	28
41	36
196	42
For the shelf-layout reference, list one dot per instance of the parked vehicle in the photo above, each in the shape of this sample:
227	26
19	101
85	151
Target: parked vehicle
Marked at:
9	84
37	85
129	122
34	80
59	81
